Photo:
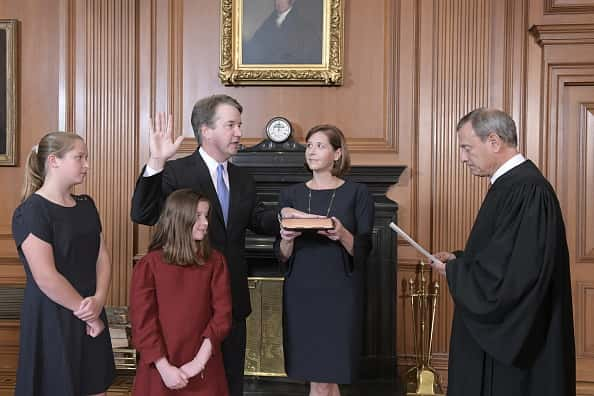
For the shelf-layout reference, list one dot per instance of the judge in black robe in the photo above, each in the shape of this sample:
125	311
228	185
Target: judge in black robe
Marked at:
512	332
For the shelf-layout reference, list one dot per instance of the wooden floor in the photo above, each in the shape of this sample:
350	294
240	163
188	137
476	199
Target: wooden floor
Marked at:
263	387
253	387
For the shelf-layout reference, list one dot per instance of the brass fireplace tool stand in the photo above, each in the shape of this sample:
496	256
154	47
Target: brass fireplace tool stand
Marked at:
422	379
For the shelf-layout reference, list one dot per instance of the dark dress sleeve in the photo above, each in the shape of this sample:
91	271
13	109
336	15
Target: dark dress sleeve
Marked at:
220	323
503	291
96	217
149	195
31	217
144	317
285	201
364	215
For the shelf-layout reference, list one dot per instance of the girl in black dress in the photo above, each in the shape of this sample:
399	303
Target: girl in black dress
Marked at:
65	347
323	289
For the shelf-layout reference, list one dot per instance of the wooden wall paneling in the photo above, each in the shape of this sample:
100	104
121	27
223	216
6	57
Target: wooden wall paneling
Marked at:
37	38
106	115
147	87
160	82
575	104
9	352
66	86
8	253
584	389
557	37
406	82
585	226
37	85
568	142
405	55
363	106
9	336
457	75
568	6
515	64
551	12
461	78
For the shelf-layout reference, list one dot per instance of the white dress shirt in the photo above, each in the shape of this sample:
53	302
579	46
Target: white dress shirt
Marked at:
507	166
280	18
211	164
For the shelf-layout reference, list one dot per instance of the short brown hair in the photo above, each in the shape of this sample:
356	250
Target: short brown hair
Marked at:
205	109
54	143
337	141
173	231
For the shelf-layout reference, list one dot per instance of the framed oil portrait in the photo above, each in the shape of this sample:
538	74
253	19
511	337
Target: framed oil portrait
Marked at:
282	42
8	92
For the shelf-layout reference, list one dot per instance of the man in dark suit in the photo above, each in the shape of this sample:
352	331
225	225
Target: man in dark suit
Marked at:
216	121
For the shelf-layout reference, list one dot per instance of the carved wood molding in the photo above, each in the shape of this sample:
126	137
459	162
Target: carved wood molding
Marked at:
66	80
176	61
563	34
516	54
576	7
584	388
557	78
584	309
585	166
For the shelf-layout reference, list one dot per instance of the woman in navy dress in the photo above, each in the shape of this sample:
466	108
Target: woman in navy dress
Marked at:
65	347
323	289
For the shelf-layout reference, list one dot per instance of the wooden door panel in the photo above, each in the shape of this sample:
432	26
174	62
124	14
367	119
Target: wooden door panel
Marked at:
574	158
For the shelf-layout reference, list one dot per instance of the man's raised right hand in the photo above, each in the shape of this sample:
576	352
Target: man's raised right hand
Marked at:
161	144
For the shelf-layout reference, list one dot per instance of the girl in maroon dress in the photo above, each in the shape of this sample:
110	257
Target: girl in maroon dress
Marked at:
180	305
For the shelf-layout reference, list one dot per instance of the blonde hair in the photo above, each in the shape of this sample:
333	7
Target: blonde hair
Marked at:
54	143
173	232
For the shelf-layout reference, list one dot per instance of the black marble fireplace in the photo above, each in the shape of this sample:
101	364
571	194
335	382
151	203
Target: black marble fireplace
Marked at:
274	166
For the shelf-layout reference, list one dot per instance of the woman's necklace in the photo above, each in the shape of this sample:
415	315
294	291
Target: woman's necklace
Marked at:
329	205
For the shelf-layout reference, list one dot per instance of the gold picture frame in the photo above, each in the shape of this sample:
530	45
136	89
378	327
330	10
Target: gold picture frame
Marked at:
8	92
251	61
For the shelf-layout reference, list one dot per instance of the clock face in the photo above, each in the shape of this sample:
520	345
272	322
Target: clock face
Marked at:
278	129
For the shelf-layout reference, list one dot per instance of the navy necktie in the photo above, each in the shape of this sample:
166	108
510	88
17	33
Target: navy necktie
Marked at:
223	192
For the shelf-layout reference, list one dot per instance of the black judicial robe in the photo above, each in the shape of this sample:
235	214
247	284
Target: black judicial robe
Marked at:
512	332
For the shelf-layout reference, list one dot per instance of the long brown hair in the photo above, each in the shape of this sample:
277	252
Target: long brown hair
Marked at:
173	232
56	143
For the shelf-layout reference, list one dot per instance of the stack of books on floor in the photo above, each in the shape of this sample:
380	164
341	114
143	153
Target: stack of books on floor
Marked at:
119	338
119	331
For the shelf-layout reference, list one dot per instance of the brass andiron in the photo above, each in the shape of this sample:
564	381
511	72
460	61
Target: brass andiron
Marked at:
422	379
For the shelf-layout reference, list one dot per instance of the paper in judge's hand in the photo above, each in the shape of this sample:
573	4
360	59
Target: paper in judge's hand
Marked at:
423	251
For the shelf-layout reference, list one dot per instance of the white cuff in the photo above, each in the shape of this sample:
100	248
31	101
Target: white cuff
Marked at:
148	171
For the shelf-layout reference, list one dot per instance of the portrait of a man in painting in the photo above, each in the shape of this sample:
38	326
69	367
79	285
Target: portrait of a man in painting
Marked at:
282	32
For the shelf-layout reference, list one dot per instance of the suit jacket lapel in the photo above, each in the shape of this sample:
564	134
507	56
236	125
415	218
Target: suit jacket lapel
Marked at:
207	187
235	187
